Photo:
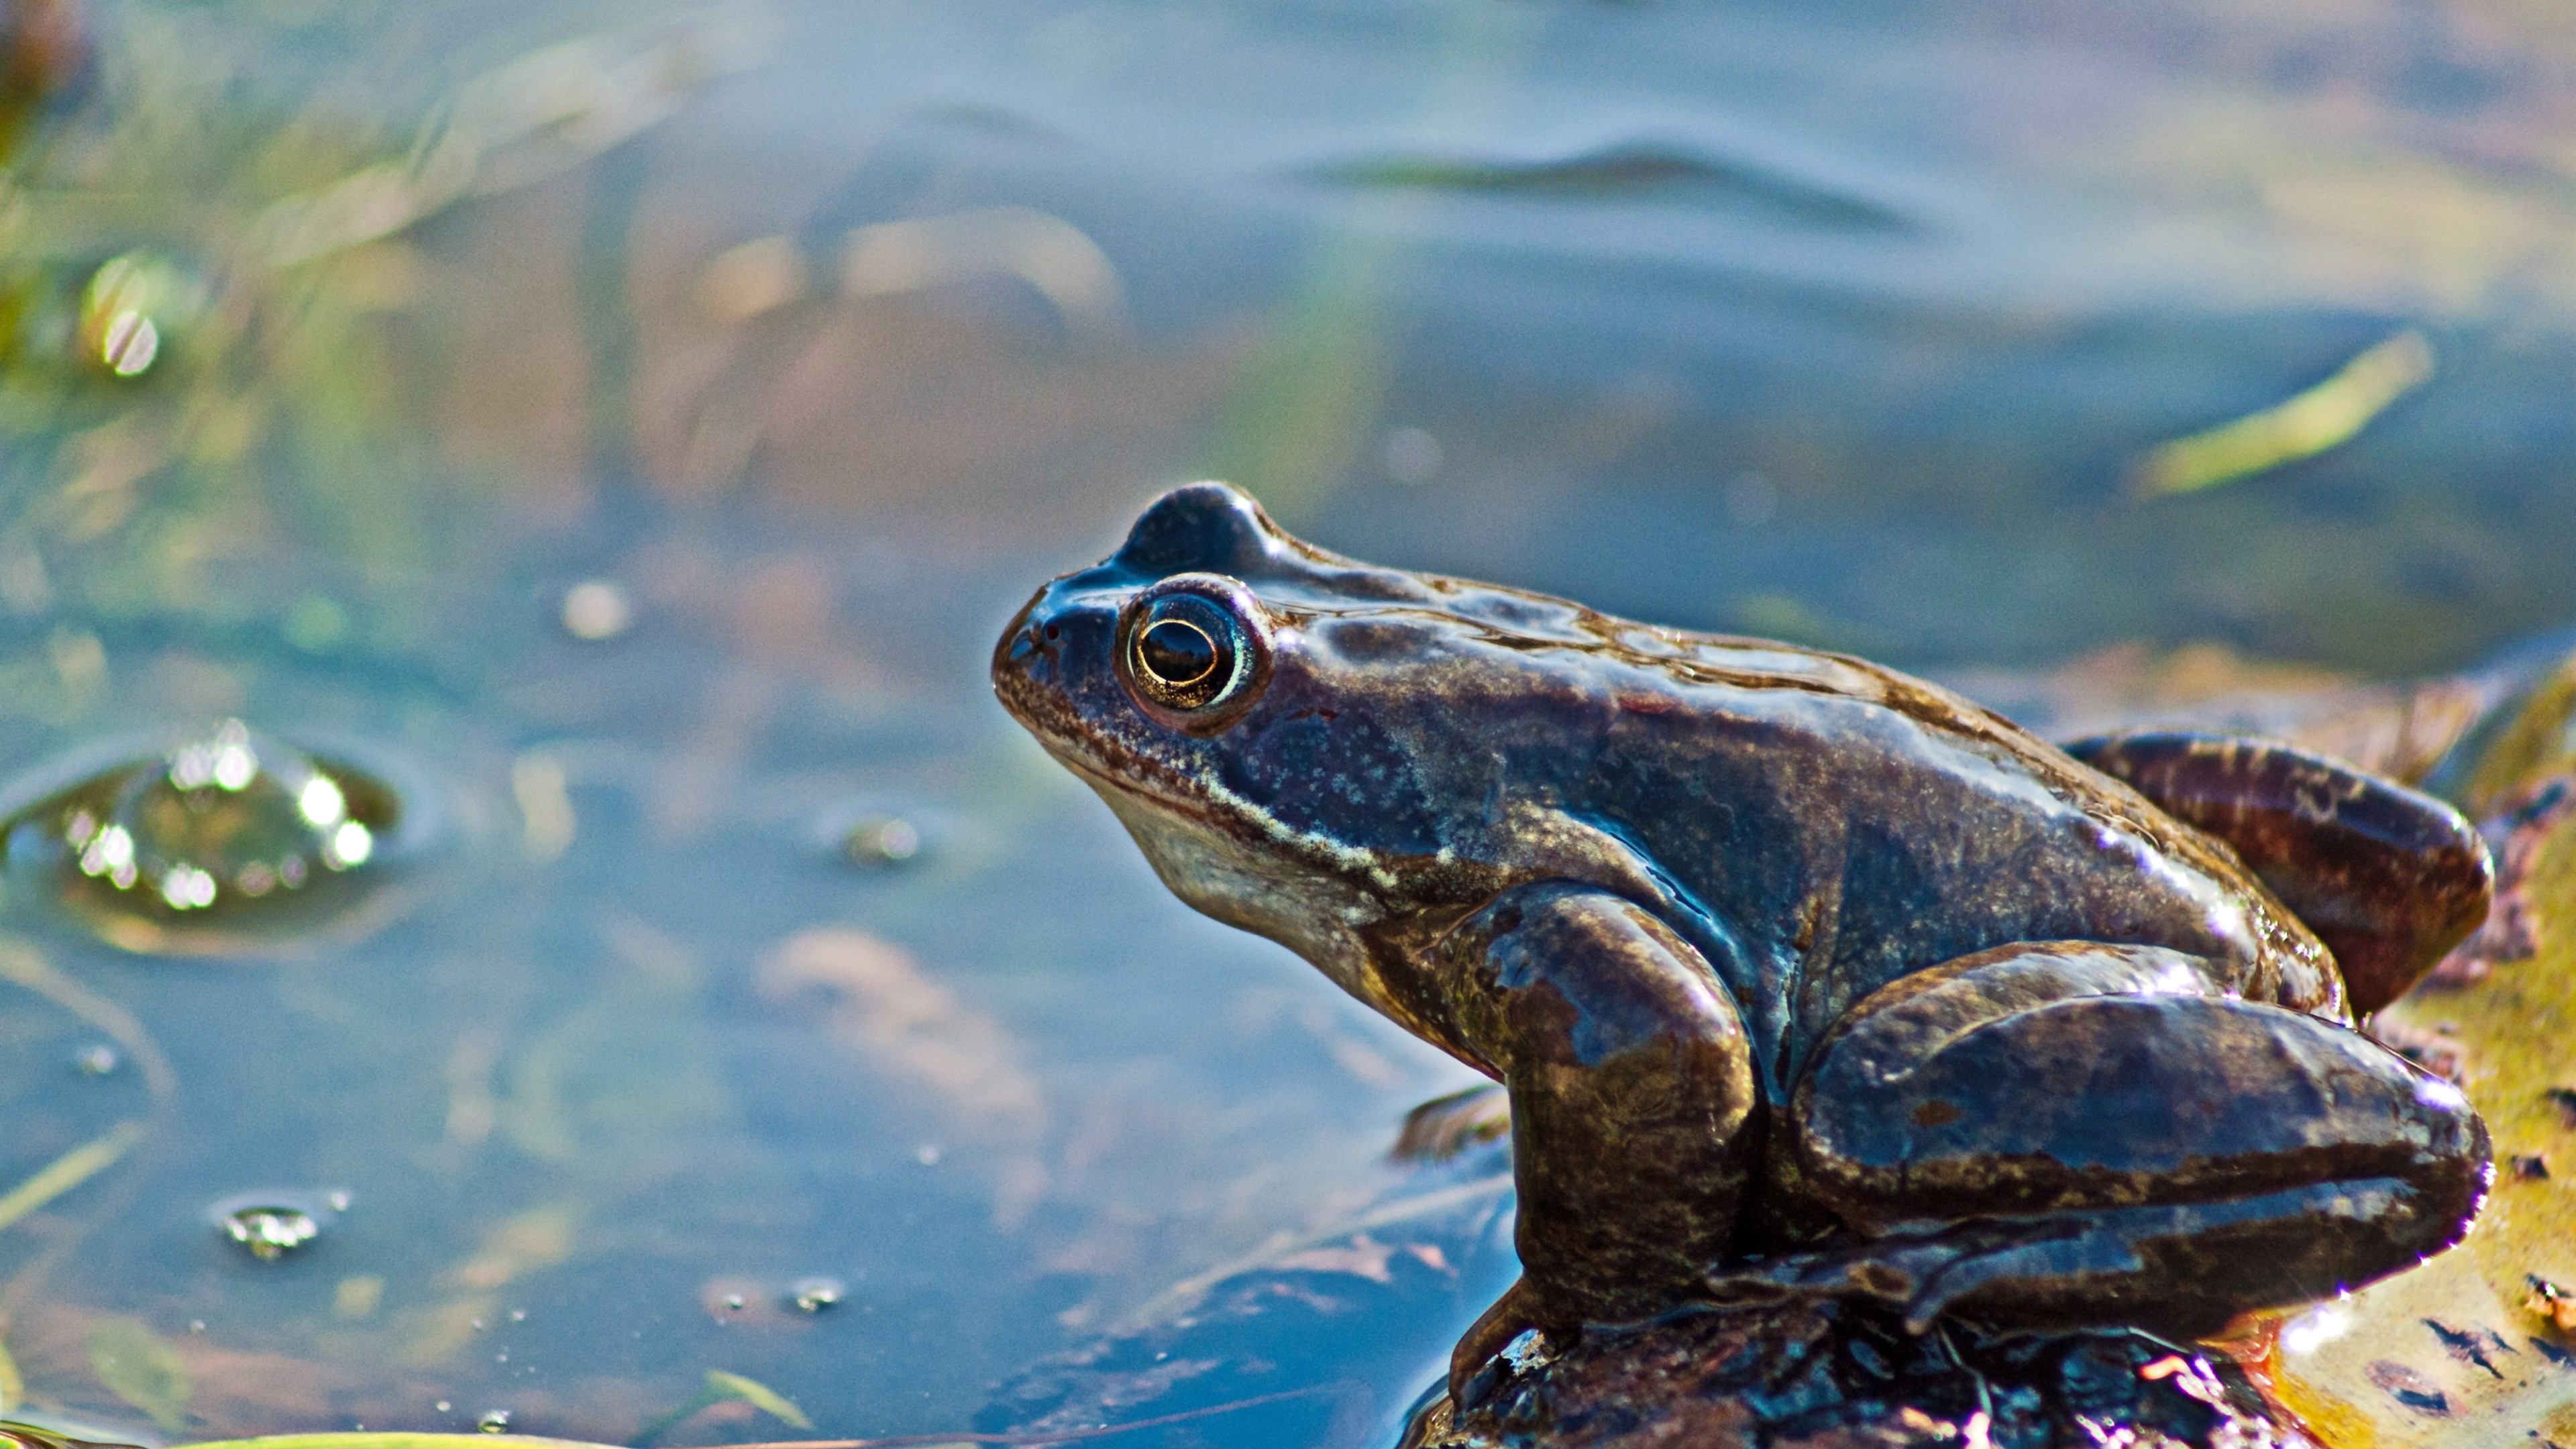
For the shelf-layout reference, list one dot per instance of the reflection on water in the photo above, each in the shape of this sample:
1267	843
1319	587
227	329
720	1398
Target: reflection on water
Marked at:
618	447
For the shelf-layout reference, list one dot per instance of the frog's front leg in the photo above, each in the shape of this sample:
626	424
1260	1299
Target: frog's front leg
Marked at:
2062	1133
1631	1079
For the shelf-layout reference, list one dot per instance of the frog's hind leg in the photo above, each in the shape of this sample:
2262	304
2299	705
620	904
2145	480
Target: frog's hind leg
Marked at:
2389	878
2062	1133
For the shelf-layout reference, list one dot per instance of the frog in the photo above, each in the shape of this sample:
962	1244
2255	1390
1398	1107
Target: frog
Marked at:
1802	975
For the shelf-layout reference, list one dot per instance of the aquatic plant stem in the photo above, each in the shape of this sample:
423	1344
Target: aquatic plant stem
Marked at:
898	1441
69	1171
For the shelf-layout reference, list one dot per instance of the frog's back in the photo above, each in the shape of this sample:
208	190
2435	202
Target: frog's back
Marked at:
1842	825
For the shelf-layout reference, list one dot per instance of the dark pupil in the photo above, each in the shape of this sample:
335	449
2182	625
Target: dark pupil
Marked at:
1177	651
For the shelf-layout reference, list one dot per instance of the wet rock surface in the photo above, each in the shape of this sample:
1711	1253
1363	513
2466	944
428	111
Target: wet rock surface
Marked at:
1823	1374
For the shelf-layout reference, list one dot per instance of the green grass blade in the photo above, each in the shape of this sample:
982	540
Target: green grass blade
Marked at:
69	1171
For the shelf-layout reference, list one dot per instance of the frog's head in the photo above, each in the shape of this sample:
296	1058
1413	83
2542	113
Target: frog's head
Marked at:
1276	725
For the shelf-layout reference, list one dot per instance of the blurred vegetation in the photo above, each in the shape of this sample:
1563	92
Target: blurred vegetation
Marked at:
212	334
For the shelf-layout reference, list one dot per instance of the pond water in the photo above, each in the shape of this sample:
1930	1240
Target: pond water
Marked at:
599	443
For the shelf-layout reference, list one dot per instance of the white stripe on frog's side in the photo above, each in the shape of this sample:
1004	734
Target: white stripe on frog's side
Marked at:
1348	857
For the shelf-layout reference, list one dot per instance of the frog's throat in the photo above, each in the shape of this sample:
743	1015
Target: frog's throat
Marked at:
1316	914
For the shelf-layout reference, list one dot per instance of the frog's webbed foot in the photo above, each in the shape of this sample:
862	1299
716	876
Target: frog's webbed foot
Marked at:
2389	878
2062	1133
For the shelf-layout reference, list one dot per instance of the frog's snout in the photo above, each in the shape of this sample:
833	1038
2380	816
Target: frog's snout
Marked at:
1021	643
1052	658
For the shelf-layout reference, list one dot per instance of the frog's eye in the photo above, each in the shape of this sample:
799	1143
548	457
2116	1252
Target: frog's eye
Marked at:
1195	651
1177	656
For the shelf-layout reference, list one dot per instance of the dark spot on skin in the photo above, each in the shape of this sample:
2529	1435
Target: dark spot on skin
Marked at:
2552	1352
1052	631
1936	1114
2410	1388
1359	641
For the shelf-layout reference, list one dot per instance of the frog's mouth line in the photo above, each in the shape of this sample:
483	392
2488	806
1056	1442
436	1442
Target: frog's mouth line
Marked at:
1118	772
1104	764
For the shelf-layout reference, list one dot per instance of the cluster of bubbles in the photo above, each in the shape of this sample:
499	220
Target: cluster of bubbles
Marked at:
222	822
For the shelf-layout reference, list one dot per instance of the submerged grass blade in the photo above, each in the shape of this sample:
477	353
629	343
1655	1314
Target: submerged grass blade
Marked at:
2323	417
69	1171
759	1395
364	1440
720	1388
139	1367
21	962
899	1441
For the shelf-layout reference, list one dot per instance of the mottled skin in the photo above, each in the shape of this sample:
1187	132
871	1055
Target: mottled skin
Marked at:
1802	975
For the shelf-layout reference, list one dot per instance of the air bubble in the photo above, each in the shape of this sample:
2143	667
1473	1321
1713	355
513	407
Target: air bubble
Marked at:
270	1224
270	1233
882	840
813	1295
